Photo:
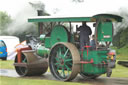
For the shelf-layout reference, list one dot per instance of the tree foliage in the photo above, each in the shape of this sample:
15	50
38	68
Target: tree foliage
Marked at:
21	28
5	19
121	38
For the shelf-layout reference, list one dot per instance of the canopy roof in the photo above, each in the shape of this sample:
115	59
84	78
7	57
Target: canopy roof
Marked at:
109	16
75	19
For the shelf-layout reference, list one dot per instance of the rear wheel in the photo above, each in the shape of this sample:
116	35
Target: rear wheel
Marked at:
63	61
89	76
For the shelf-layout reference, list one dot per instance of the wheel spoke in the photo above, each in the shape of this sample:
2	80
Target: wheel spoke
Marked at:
63	72
67	68
70	63
57	54
60	52
68	60
64	48
57	63
66	52
24	61
58	68
57	59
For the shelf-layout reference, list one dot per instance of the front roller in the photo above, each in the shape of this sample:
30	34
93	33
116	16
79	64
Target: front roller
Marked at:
30	64
64	61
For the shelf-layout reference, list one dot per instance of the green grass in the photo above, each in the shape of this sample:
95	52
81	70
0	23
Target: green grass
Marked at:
122	53
6	64
21	81
119	72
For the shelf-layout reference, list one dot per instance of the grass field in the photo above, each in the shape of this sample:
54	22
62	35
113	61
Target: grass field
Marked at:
6	64
122	53
119	72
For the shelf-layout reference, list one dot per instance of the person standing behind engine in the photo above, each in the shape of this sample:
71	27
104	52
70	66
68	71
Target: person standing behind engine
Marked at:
85	31
92	43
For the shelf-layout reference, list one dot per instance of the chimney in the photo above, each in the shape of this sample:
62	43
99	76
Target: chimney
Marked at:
39	12
40	24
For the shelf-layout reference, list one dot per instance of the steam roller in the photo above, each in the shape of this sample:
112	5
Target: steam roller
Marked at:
27	63
60	45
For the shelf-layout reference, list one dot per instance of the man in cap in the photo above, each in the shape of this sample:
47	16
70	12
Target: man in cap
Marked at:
85	31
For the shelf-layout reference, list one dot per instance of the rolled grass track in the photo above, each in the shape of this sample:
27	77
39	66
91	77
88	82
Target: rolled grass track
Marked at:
119	71
21	81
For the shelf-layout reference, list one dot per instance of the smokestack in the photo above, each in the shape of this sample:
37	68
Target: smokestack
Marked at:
39	12
40	24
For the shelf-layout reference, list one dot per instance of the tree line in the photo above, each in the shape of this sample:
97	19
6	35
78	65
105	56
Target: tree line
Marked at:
121	38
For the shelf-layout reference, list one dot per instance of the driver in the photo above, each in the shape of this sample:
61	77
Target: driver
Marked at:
85	31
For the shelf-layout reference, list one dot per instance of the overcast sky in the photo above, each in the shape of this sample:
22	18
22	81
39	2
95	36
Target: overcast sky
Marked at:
20	10
66	7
